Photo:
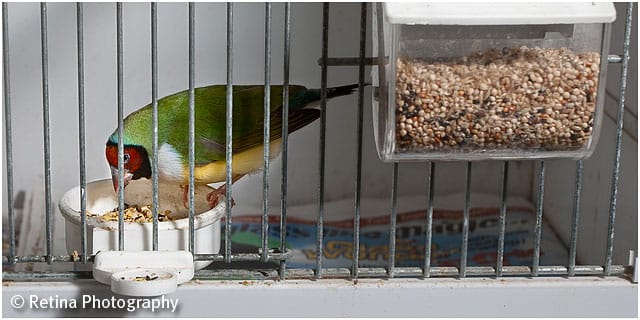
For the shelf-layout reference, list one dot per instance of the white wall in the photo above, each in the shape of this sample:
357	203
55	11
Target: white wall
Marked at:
100	93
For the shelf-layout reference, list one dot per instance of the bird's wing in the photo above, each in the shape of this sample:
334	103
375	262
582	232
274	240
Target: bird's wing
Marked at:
248	120
248	115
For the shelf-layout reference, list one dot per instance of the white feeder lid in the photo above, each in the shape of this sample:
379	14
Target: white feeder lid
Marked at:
499	13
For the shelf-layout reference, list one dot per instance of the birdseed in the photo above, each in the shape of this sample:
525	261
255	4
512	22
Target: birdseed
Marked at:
139	214
511	98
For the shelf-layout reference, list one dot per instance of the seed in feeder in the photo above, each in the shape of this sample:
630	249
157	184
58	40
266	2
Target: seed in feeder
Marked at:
511	98
138	214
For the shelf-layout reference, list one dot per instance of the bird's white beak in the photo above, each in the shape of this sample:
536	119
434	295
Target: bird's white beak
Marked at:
114	178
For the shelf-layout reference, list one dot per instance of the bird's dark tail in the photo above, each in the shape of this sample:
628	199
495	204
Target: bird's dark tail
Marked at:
340	91
313	95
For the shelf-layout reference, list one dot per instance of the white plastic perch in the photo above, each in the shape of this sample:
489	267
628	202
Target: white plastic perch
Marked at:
144	273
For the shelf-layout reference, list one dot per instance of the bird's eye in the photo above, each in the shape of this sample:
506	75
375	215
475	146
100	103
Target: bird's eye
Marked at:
126	157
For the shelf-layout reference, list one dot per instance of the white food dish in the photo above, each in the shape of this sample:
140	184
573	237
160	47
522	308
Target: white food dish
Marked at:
172	235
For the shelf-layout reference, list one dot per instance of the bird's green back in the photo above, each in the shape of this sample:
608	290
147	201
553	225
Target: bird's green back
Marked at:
210	119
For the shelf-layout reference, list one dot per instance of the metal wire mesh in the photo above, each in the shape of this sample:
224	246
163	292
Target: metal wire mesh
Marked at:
281	254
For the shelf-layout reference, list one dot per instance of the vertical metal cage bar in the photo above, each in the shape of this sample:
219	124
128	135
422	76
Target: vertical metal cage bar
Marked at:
228	151
502	219
465	223
266	132
392	223
381	55
45	120
192	125
616	161
428	237
356	213
575	220
7	127
81	132
285	134
538	227
323	127
154	120
120	127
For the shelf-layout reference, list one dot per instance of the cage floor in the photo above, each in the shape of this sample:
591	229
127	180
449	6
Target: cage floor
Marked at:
411	225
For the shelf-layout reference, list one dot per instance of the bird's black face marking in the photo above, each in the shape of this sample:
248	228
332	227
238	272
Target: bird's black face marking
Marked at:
136	159
144	168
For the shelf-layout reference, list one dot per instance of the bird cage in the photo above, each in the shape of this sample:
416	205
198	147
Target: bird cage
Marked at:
323	218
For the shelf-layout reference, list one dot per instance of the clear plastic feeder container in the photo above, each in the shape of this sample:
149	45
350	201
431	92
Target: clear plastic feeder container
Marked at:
476	81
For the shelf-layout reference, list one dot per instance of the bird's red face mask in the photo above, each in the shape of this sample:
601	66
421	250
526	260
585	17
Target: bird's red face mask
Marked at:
136	163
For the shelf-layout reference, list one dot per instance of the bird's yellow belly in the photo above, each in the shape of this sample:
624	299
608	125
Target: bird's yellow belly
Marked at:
244	162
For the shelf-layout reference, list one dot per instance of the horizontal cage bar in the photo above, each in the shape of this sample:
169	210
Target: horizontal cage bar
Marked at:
339	273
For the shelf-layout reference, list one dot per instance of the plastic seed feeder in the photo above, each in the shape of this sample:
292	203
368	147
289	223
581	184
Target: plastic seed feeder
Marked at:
476	81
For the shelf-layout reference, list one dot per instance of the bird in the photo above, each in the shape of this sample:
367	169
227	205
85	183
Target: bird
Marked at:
210	134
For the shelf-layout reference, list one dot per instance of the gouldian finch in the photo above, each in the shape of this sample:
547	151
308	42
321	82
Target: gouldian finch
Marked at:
210	134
